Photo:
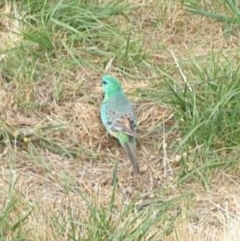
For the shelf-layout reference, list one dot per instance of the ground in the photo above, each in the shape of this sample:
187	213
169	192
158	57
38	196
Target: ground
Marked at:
62	176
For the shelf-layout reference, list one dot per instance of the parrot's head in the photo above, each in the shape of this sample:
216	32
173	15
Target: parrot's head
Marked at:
110	84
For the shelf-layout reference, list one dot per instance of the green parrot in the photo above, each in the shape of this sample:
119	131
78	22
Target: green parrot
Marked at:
118	117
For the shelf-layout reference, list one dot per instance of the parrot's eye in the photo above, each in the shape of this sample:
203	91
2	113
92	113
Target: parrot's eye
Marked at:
104	82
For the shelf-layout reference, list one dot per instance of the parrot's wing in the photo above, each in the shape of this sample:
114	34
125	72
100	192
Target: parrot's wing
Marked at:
121	120
123	124
118	118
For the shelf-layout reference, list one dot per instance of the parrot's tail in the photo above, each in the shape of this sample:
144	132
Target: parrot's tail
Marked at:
130	149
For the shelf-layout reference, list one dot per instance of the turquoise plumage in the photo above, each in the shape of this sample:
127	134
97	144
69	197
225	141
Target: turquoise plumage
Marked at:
118	117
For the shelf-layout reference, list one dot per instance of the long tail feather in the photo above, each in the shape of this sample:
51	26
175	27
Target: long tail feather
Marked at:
130	150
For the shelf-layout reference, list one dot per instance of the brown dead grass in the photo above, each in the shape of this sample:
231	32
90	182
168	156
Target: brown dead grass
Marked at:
214	214
51	183
9	28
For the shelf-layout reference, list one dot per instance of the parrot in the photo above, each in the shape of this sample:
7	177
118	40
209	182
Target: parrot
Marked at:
118	117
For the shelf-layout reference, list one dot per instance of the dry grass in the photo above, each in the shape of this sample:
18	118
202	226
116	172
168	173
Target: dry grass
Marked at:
57	160
213	216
